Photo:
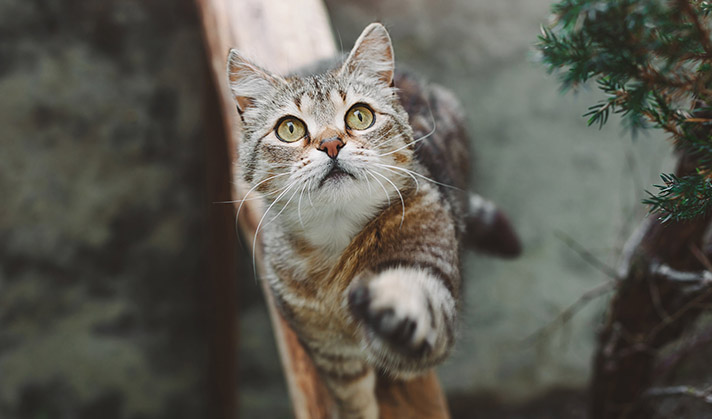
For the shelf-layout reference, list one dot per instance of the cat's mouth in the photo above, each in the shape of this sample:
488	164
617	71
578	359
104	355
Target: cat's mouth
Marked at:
336	174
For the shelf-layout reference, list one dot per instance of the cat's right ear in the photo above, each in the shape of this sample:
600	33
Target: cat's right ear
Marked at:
372	55
247	80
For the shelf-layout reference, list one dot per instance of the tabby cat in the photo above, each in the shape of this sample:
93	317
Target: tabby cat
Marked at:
363	173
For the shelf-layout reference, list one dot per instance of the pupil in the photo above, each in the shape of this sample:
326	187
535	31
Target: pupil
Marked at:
359	115
290	127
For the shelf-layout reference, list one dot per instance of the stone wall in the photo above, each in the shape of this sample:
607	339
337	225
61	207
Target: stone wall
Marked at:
102	238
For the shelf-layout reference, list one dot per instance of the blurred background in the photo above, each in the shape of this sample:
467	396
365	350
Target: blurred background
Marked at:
107	298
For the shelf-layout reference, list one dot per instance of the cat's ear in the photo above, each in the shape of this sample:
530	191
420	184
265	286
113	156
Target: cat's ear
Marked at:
248	80
372	54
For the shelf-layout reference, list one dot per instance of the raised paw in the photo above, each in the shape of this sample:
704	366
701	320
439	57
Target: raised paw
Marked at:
395	308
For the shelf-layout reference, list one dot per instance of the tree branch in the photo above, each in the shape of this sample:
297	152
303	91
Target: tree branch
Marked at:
705	394
666	273
701	29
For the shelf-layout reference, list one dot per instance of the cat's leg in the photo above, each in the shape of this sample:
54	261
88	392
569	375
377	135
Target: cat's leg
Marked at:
408	315
352	383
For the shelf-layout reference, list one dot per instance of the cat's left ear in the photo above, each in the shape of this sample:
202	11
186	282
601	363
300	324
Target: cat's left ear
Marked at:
372	55
248	81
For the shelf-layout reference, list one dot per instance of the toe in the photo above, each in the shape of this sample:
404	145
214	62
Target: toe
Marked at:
360	301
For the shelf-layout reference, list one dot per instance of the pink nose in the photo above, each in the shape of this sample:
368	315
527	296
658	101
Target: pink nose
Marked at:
331	146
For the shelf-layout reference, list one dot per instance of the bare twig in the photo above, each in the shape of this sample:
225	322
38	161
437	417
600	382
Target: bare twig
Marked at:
703	394
700	280
678	314
688	346
666	273
699	255
657	301
565	315
586	255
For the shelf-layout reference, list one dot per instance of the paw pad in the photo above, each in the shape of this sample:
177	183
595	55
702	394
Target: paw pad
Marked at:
390	321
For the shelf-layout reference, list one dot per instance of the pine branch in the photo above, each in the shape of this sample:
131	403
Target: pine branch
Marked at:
681	198
653	61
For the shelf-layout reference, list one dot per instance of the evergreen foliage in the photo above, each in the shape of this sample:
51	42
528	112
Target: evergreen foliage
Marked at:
653	61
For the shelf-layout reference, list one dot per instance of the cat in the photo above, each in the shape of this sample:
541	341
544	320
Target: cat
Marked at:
364	173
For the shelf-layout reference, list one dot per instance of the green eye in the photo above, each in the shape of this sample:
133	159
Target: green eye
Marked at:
290	129
359	117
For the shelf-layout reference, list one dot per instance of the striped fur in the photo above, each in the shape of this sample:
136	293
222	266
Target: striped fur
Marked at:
364	265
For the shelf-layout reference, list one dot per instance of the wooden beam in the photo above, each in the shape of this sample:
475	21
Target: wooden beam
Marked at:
274	34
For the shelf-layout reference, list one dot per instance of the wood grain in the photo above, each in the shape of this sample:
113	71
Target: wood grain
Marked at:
275	35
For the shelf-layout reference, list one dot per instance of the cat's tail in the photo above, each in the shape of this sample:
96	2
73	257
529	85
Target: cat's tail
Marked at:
488	229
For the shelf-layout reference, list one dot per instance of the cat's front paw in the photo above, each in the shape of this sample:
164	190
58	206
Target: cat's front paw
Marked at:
395	308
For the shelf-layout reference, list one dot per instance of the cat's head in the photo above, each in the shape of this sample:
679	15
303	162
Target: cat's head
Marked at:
338	136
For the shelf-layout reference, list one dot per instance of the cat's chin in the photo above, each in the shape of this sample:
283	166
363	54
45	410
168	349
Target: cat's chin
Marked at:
336	177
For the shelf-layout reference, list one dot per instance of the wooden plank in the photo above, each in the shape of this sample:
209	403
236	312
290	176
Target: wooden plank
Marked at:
419	398
274	34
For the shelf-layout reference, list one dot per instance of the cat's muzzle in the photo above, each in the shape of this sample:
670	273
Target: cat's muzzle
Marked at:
336	173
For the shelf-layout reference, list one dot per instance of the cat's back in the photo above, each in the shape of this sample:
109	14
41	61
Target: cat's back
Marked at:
442	145
438	123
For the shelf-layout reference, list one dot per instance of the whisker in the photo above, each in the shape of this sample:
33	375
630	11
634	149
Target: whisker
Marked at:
368	183
407	172
237	230
255	187
370	172
435	125
399	194
410	143
235	201
257	230
284	207
299	205
309	192
386	134
413	172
